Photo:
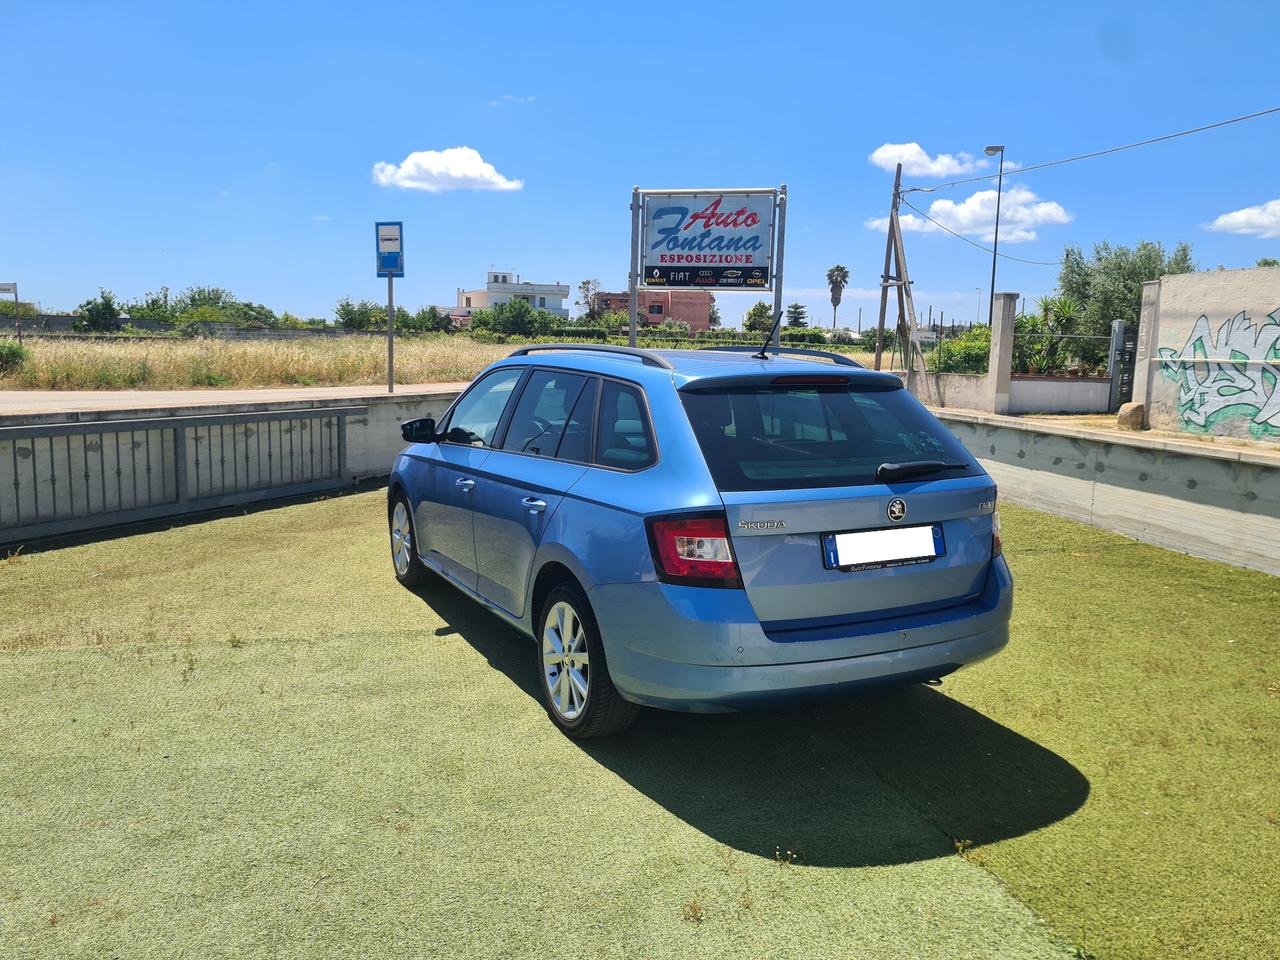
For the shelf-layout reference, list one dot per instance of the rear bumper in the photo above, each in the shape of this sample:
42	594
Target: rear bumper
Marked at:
700	649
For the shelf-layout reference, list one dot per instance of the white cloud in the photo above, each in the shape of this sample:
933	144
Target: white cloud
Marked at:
1260	221
322	218
1021	211
916	162
509	98
457	168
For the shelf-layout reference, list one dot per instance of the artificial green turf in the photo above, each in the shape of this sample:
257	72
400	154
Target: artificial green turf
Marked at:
241	738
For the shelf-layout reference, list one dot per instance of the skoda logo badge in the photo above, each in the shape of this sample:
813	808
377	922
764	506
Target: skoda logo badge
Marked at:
897	509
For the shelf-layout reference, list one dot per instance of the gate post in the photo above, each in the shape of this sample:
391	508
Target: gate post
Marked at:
1000	360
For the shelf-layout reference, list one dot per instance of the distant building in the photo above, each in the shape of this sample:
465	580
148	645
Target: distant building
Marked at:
654	306
503	286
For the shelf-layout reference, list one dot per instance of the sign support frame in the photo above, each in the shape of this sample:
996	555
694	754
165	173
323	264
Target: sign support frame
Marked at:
17	310
780	216
633	275
390	269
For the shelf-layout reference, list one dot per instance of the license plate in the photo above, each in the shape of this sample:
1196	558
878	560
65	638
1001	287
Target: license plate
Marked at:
894	547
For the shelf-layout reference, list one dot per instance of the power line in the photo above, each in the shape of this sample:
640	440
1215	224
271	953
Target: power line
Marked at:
1096	153
1038	263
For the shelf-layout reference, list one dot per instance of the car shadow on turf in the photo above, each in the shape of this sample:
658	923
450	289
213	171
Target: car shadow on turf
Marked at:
890	778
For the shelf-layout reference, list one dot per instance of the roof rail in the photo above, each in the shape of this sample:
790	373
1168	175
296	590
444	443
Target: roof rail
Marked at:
840	358
647	357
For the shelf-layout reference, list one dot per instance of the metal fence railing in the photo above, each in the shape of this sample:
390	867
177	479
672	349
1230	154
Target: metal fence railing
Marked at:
67	477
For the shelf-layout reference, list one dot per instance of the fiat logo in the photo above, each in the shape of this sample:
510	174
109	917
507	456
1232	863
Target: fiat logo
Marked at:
897	509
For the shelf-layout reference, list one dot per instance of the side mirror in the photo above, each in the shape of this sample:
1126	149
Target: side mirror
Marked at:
418	431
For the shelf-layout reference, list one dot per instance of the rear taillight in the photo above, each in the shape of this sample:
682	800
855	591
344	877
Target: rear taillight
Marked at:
997	545
693	549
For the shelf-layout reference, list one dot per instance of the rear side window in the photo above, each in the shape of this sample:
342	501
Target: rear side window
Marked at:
624	439
543	411
797	437
575	445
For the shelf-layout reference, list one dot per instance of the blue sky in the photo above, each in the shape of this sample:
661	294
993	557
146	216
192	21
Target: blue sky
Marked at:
235	144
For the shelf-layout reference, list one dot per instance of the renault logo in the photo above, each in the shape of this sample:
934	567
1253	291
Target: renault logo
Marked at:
897	509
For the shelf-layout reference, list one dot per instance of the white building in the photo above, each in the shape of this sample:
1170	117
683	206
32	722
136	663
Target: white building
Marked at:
503	286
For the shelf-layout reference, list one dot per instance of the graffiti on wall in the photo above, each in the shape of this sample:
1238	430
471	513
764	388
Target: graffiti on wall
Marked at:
1233	377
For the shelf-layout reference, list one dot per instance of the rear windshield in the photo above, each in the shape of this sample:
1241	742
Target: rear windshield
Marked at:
795	437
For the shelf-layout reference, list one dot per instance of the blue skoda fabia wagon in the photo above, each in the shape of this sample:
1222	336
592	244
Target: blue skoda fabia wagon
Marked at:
704	530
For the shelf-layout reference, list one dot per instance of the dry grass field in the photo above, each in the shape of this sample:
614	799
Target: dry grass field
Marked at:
175	364
160	364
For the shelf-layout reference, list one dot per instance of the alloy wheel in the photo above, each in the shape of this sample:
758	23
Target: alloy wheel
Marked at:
401	539
565	663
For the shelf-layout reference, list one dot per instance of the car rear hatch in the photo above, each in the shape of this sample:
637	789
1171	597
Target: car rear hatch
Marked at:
809	466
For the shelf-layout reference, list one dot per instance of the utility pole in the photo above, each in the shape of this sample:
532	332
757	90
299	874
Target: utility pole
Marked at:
884	275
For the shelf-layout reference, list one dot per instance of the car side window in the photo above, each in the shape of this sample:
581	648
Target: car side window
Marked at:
474	420
542	412
624	438
575	445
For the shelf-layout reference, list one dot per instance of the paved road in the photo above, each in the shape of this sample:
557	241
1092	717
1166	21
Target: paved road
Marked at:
23	402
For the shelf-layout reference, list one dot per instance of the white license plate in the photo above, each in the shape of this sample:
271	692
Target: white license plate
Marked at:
862	549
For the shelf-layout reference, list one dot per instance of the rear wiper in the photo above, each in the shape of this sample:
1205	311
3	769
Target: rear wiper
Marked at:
888	472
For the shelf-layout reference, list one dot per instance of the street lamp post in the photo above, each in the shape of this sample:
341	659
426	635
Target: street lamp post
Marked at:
977	307
991	151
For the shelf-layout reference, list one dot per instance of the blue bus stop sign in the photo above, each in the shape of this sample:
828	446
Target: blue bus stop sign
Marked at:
389	236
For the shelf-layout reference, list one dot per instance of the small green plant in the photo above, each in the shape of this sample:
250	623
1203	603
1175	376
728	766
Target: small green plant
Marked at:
694	911
13	357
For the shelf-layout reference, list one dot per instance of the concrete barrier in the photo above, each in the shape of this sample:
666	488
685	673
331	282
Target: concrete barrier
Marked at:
70	472
1210	501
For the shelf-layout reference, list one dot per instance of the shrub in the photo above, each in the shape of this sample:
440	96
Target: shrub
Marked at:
13	357
967	353
99	315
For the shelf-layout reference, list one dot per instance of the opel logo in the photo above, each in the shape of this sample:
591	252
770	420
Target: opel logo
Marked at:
897	509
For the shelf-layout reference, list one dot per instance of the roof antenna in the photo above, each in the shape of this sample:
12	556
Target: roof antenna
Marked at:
769	338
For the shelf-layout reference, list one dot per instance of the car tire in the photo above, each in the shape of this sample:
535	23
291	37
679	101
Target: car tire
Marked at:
573	677
404	555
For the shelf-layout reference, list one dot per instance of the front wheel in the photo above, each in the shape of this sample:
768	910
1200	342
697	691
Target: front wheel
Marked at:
574	679
404	555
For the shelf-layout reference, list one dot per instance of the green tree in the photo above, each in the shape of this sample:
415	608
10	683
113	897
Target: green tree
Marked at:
588	291
365	315
1268	262
515	318
192	298
796	316
713	316
759	319
1108	286
837	280
99	315
154	307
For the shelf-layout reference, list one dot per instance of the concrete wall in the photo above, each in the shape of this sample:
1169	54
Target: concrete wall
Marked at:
972	391
66	473
1059	394
1209	353
1215	502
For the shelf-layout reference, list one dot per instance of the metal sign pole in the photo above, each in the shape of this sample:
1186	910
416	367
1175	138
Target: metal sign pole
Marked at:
777	273
633	275
391	338
17	314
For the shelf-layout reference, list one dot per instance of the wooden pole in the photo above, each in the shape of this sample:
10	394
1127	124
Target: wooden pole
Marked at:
884	276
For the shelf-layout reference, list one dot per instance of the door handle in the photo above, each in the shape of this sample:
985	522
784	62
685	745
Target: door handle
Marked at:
465	484
534	504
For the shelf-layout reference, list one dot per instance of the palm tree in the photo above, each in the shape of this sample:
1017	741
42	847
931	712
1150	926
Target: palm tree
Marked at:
837	280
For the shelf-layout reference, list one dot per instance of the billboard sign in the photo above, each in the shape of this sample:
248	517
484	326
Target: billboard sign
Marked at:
718	239
390	250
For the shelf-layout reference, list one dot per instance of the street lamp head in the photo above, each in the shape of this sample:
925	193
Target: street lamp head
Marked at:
995	148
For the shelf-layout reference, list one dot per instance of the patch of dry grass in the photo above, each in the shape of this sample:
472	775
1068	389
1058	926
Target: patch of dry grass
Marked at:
158	364
176	364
